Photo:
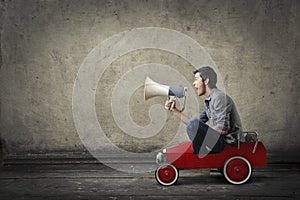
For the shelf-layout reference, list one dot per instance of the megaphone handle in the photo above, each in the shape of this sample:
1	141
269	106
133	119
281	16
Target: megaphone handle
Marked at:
182	109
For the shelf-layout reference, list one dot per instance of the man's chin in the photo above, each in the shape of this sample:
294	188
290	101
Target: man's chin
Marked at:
200	94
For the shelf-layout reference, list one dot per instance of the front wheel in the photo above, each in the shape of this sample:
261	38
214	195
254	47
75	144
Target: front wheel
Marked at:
237	170
166	174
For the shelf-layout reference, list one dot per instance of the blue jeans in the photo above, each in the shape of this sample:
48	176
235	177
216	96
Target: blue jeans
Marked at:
205	139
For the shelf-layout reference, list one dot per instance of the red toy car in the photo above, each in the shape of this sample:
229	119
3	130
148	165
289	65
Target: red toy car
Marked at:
235	162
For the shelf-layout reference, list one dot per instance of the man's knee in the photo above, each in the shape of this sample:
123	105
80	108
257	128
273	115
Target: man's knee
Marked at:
196	128
191	128
195	124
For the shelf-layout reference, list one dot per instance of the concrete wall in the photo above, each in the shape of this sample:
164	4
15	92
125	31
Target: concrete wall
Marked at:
254	44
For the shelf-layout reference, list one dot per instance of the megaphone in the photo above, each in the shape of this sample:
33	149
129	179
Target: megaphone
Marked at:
153	89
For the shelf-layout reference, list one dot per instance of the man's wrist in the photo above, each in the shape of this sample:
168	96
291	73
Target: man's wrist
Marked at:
177	112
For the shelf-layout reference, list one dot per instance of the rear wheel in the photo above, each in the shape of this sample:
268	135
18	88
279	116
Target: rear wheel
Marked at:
166	174
237	170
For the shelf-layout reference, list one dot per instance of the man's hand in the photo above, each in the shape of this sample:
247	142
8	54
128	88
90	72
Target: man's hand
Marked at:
222	132
170	105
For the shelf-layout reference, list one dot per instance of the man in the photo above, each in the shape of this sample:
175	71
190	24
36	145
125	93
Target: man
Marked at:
219	110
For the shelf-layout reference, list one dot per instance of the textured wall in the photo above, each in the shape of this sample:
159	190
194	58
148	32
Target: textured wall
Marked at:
254	44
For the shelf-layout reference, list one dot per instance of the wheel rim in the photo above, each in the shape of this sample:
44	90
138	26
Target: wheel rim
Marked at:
237	170
167	175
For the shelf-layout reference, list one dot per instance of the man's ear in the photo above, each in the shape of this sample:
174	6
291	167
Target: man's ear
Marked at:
206	81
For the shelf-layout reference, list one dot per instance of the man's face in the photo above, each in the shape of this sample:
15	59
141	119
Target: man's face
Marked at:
199	85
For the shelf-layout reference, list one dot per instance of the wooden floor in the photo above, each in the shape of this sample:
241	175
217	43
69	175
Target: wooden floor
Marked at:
96	181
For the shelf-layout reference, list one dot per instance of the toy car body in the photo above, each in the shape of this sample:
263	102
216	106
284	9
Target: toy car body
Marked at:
235	162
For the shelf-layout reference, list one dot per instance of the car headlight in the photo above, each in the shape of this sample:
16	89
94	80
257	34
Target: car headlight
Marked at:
160	157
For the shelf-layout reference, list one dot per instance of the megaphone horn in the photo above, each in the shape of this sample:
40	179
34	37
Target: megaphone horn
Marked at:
153	89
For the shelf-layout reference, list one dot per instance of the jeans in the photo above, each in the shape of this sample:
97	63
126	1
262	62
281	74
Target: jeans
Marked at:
205	139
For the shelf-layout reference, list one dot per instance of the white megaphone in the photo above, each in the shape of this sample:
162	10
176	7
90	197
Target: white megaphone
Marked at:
153	89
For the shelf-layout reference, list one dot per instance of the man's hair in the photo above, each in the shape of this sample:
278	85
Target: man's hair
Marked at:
207	72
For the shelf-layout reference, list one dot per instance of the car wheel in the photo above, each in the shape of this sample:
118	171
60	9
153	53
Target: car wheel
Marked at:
237	170
166	174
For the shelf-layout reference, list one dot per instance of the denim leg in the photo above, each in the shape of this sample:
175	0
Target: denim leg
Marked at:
205	139
196	130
